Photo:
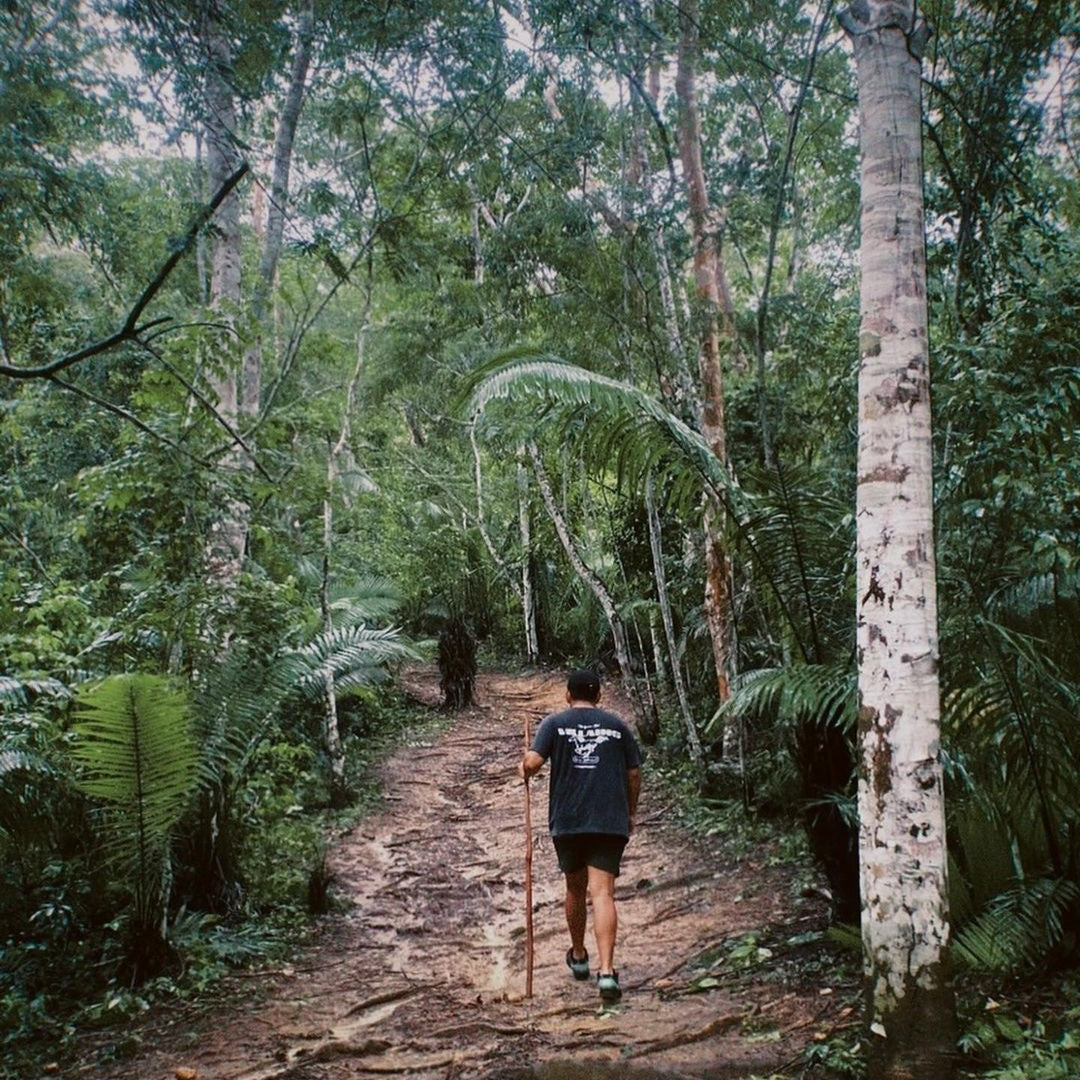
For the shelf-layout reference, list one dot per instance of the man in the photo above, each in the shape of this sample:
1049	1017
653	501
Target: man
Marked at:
595	782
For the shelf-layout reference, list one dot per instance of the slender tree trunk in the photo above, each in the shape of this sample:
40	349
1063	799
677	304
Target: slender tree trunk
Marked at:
588	576
528	595
273	235
903	860
692	738
711	279
780	203
335	750
340	795
228	534
522	591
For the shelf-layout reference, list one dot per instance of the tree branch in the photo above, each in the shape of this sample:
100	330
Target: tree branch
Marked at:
131	330
130	417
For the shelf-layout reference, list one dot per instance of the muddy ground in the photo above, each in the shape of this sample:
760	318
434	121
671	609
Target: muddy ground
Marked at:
423	976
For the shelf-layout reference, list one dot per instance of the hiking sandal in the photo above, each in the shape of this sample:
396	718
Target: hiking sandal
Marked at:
579	968
608	985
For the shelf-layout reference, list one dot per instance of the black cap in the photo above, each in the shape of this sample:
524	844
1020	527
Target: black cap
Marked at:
583	685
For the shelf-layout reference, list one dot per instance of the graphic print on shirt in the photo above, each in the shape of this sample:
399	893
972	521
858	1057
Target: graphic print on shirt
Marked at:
585	742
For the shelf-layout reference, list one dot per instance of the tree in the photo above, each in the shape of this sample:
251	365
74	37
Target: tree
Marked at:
902	845
710	275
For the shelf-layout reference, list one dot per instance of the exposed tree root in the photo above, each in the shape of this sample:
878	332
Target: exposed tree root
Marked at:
713	1027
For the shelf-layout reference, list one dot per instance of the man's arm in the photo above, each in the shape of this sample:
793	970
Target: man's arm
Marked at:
633	790
530	764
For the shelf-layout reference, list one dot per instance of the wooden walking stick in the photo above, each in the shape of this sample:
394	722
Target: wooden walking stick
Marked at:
528	880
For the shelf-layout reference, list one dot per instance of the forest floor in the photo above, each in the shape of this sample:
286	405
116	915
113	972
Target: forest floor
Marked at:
723	965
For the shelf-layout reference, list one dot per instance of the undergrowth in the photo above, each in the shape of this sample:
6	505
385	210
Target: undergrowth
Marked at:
60	986
1012	1028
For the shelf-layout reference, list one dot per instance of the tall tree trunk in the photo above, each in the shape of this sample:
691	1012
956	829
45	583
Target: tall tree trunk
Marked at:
711	278
284	139
588	576
340	795
905	922
780	203
523	591
528	595
225	550
692	737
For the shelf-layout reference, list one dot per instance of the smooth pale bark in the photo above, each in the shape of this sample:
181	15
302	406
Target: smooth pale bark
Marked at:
273	234
692	737
335	750
522	591
228	535
905	919
528	593
715	302
587	575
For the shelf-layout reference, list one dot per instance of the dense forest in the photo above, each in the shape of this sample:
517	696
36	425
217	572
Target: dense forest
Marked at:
343	335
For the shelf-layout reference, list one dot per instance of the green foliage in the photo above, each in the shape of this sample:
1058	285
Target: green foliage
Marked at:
1018	929
135	755
1024	1040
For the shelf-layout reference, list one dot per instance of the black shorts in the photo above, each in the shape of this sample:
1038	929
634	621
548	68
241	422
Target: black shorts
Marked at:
602	850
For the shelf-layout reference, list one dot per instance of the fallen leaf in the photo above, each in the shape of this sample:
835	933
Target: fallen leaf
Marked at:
185	1072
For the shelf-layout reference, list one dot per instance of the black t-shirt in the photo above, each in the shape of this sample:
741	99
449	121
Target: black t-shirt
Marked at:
590	751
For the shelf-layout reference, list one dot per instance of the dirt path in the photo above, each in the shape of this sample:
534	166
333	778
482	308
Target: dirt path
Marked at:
424	976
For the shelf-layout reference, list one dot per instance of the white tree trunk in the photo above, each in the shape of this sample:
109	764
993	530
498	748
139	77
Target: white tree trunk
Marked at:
588	576
528	595
692	737
228	535
274	232
902	850
332	743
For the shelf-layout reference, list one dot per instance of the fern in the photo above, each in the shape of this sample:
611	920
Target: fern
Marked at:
135	755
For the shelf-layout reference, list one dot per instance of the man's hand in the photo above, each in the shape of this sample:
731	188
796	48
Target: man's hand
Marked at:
529	764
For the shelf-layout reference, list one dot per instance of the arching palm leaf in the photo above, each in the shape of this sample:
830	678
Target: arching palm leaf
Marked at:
618	427
356	656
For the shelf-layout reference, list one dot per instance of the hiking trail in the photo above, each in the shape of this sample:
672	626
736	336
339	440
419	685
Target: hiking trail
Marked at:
423	975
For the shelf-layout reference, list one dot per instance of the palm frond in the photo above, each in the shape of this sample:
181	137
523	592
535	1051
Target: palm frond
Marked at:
14	759
364	600
19	691
618	427
354	655
1019	929
626	428
814	693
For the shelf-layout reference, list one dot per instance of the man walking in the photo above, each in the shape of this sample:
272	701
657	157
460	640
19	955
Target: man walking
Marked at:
595	782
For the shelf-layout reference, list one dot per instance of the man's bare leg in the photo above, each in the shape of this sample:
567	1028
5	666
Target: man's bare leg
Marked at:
605	919
576	886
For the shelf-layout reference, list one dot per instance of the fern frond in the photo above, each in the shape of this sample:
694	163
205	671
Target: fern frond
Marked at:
134	752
